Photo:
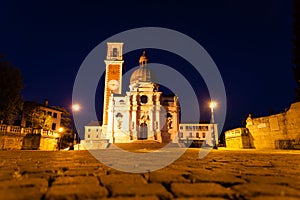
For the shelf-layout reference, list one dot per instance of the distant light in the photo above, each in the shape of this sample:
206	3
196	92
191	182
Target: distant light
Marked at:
60	129
75	107
213	104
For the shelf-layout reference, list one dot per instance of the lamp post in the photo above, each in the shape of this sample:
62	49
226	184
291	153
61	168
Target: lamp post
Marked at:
213	105
75	108
60	130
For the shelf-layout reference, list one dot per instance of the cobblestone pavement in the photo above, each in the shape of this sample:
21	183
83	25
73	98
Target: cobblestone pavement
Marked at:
222	174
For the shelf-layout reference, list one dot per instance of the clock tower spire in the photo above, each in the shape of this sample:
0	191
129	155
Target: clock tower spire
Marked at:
113	76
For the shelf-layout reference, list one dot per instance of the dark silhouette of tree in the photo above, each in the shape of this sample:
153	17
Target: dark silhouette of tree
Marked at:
296	48
11	84
35	117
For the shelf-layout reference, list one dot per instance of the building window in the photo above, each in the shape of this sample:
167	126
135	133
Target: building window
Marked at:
53	126
89	130
204	128
49	113
191	135
181	127
89	136
203	135
197	135
97	136
97	130
181	135
54	115
115	52
144	99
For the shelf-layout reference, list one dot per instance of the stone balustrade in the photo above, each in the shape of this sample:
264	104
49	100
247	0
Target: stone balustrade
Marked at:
17	137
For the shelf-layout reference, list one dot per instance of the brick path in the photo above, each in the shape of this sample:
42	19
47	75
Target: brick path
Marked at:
222	174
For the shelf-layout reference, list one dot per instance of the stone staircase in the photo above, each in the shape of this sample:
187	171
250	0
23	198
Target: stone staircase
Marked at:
144	144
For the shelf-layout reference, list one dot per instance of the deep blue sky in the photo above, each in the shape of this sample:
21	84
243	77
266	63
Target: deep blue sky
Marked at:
250	41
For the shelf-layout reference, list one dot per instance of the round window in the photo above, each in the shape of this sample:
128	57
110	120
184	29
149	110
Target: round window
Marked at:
144	99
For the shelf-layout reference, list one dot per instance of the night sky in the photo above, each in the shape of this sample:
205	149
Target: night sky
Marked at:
250	42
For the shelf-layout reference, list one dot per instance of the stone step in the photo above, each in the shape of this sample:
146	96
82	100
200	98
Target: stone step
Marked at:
144	145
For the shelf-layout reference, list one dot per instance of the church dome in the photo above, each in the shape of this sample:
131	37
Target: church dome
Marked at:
143	73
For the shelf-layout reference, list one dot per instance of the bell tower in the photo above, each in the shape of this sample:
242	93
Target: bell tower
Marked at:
113	76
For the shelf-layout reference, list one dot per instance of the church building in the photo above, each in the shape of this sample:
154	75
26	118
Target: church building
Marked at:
143	112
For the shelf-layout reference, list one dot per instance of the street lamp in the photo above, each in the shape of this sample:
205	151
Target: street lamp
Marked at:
60	130
213	105
75	108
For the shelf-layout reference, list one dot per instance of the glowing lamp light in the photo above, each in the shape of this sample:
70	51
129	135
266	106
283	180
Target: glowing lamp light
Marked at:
60	129
213	104
76	107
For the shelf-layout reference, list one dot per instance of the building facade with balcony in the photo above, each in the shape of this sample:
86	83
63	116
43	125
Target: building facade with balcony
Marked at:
199	133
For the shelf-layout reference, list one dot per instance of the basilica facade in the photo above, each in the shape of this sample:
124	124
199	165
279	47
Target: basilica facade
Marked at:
142	112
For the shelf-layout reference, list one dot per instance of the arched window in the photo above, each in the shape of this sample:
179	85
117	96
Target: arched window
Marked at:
115	52
197	135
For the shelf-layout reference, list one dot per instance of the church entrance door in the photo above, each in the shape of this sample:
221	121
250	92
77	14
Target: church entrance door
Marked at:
143	133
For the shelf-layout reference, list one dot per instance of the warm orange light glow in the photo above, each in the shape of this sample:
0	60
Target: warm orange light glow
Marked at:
75	107
61	129
213	104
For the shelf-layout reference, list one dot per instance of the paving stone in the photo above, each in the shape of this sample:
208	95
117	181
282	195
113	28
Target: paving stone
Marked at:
280	180
200	189
258	163
255	189
22	193
83	171
135	198
42	184
201	198
79	191
222	178
88	180
6	174
167	177
140	190
108	180
274	198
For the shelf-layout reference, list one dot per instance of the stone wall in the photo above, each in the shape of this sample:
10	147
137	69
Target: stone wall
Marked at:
16	137
238	139
279	131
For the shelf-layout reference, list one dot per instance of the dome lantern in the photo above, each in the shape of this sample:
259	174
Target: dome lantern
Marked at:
143	59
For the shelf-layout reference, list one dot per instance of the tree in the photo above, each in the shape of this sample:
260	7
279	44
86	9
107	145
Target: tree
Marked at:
11	84
35	117
296	48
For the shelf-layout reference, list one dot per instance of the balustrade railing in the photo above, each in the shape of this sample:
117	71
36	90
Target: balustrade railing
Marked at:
8	129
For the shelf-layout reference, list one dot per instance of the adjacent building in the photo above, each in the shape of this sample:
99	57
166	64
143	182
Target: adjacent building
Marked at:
35	112
278	131
199	133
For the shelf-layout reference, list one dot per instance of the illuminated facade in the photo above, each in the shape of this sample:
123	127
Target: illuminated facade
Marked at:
201	132
143	113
